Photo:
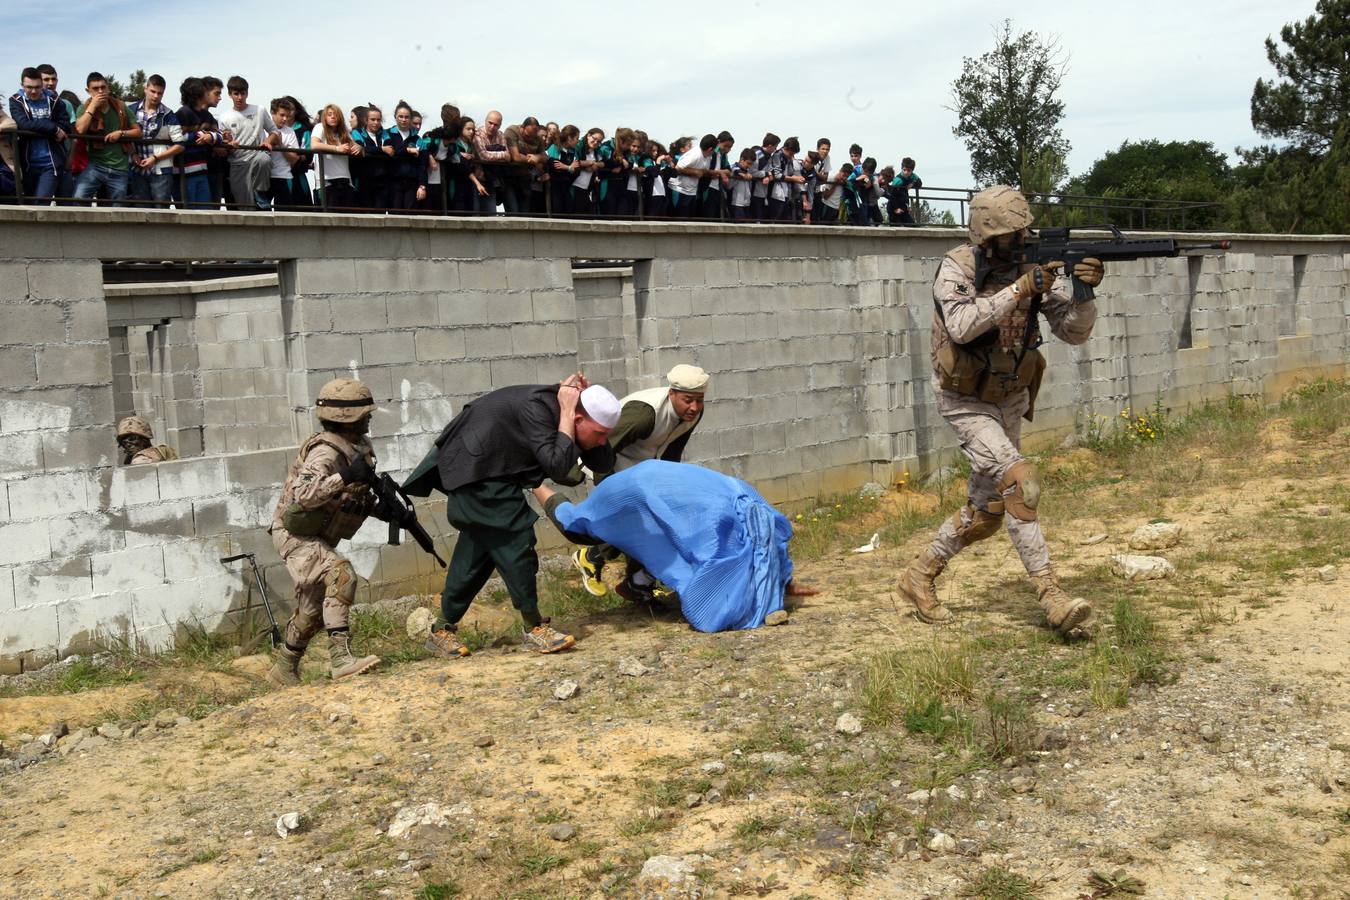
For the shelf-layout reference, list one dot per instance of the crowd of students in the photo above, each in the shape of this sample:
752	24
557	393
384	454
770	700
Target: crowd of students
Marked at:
247	157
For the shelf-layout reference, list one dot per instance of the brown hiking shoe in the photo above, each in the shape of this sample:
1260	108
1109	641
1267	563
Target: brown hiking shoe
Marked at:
285	671
343	664
1067	615
916	585
446	645
543	639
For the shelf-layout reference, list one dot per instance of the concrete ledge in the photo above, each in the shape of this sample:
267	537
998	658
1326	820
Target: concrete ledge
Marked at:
209	286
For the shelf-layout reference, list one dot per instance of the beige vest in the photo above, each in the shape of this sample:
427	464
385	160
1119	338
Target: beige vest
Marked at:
987	367
668	428
343	514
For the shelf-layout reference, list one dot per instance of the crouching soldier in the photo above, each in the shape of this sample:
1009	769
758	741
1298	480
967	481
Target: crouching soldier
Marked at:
325	499
136	440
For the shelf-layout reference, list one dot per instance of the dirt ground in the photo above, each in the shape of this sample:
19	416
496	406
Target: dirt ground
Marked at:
1225	777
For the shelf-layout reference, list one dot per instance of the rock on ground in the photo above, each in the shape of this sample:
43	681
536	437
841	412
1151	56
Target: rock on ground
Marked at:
1156	536
420	622
848	723
673	870
1141	568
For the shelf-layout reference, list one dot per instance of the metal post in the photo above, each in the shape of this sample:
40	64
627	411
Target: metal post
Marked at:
18	170
323	185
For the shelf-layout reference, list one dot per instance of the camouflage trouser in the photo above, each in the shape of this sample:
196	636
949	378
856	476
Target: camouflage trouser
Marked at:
990	434
325	585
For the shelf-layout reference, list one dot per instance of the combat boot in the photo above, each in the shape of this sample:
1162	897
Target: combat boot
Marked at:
341	659
285	670
1066	614
917	586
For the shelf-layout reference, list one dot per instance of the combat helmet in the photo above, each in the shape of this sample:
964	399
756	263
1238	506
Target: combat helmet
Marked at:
998	210
134	425
344	400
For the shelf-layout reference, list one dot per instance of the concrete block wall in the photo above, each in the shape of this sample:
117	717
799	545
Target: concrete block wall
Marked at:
817	341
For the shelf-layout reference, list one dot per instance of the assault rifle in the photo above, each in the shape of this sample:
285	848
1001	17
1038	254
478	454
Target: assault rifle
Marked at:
393	505
1054	245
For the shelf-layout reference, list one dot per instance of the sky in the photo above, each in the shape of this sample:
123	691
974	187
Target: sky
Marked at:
878	73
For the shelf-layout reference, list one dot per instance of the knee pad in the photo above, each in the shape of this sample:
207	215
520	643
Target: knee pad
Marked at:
339	583
983	523
1021	487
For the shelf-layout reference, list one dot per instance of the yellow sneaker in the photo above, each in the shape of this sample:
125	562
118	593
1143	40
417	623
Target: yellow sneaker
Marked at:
590	573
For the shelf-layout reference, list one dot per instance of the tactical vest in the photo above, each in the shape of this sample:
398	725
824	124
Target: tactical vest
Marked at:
155	454
1004	359
668	428
343	514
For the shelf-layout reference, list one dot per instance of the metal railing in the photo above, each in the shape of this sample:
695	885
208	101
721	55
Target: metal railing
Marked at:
1050	208
1073	209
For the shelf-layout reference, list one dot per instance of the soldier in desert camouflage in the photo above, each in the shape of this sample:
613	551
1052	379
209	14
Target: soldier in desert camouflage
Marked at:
325	499
986	373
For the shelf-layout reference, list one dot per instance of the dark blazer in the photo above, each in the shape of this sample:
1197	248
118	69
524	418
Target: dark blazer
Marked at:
510	434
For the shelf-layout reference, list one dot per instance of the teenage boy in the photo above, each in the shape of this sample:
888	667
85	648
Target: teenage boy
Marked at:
824	185
759	196
742	180
719	176
217	159
900	186
151	164
34	108
249	126
786	172
201	134
690	168
65	183
283	162
105	121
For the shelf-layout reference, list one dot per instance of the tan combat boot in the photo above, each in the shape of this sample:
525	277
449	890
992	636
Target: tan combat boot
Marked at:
1066	614
341	659
285	671
916	585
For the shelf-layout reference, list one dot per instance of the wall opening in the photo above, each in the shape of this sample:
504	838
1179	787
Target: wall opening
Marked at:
201	358
1185	339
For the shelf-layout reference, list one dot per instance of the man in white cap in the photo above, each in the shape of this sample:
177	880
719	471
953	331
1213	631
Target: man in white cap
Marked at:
498	446
655	424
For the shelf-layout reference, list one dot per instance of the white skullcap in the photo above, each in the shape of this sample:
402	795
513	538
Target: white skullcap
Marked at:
688	378
601	405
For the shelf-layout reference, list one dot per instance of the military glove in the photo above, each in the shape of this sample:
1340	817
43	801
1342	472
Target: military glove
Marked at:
360	470
1089	271
1036	280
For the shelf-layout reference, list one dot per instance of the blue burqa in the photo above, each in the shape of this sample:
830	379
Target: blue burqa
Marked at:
709	537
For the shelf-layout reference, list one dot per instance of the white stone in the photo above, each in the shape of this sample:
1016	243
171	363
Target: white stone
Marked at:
942	843
673	870
1156	536
632	666
431	814
1327	573
288	823
566	690
420	622
848	723
1141	568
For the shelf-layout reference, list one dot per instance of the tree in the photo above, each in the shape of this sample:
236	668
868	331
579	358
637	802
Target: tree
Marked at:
1176	170
1311	99
1007	110
133	90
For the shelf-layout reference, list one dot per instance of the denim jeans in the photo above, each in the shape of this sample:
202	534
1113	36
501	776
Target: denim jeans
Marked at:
156	186
96	180
40	185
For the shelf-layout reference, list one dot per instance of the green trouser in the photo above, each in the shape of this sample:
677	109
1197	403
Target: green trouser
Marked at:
496	531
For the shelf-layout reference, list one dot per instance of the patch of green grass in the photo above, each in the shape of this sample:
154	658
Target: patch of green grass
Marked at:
1134	652
644	824
441	890
822	528
755	831
539	863
998	883
912	685
84	675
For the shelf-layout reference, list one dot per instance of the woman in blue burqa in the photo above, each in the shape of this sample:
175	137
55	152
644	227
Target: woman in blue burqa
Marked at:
709	537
